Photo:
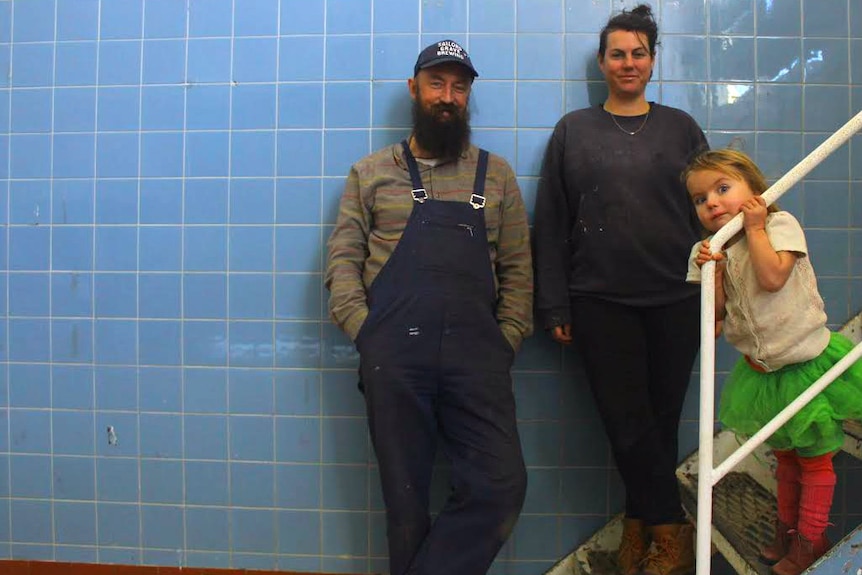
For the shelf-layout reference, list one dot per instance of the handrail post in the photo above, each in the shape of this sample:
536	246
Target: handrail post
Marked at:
707	414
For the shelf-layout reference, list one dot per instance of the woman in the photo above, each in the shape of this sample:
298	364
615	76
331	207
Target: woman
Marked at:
610	260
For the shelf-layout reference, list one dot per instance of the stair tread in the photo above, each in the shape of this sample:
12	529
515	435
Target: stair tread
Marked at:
743	513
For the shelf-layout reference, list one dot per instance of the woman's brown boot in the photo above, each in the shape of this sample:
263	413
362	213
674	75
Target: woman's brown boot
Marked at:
772	553
672	551
633	546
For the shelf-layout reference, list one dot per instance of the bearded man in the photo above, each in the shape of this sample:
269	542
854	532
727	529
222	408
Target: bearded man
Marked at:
430	275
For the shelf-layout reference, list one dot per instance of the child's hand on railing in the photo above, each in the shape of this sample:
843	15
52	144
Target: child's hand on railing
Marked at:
704	255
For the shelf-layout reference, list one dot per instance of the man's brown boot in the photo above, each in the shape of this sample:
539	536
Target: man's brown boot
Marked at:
672	551
801	555
633	546
772	553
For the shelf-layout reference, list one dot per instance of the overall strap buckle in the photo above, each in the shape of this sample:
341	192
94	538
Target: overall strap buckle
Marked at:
419	195
477	201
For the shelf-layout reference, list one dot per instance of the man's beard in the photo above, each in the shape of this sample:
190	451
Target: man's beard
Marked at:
441	138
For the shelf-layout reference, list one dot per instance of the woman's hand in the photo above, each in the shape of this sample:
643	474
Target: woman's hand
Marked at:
562	334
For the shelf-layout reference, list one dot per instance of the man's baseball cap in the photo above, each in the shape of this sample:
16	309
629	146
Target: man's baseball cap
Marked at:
443	51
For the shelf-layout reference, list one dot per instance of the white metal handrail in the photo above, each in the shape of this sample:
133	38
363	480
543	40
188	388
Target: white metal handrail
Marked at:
707	475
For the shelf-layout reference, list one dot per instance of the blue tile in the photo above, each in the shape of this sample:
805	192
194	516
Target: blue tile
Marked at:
301	17
29	386
159	295
501	142
77	19
298	296
531	535
160	389
164	61
205	391
161	435
161	481
73	433
349	16
115	342
256	18
74	109
164	19
72	386
348	58
731	59
31	110
117	434
206	483
540	16
205	296
117	155
344	488
387	61
348	105
160	248
540	57
390	108
206	201
543	491
210	17
74	155
344	440
252	485
208	108
300	105
732	106
205	248
777	153
297	487
159	342
118	109
33	65
778	18
31	476
251	201
71	294
209	60
297	392
299	153
251	438
118	525
253	531
298	439
298	533
256	561
120	62
29	202
26	337
205	437
825	18
255	60
298	201
251	248
545	116
75	523
34	21
116	248
393	16
340	395
205	343
826	61
443	18
531	148
828	250
161	201
207	154
162	527
116	202
115	295
121	19
162	108
779	59
779	107
117	479
836	166
250	344
254	106
116	388
251	391
70	554
207	529
732	17
29	294
293	240
251	154
342	150
72	202
310	66
344	533
31	521
71	340
30	156
74	478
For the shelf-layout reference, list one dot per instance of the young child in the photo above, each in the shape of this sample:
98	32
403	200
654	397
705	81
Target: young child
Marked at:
767	300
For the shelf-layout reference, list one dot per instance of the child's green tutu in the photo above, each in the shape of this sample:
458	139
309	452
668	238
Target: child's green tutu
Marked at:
750	399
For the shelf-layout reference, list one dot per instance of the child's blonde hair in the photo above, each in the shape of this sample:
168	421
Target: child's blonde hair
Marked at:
733	163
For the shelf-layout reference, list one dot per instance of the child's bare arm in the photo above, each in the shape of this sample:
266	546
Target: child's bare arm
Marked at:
771	268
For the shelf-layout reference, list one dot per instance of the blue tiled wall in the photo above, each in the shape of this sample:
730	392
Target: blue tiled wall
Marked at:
171	391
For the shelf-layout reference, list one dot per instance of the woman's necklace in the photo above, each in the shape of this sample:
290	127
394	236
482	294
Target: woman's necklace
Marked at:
629	132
